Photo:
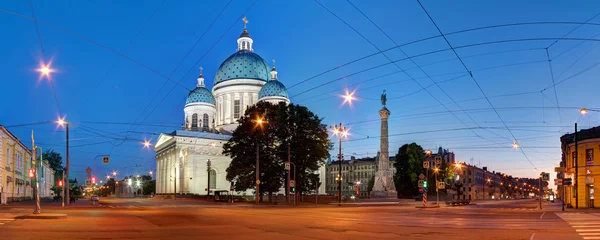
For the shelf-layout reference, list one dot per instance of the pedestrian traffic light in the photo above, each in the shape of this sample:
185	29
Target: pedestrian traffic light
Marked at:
93	180
424	184
31	172
60	183
293	189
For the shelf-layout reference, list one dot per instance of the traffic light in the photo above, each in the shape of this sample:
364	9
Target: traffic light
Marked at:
424	184
60	183
31	172
293	190
93	180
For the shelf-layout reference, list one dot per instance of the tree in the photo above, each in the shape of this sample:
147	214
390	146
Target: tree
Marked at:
54	159
371	184
284	125
409	165
149	187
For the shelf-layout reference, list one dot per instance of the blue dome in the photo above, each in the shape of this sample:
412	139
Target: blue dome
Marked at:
243	64
273	88
200	94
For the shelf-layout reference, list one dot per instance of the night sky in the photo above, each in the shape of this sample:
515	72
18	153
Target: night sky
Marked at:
112	60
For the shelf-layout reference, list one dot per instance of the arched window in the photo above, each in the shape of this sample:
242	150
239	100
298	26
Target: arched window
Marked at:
213	179
194	121
205	121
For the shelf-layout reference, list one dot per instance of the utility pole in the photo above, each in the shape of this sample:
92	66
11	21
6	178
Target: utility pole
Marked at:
208	171
36	196
63	188
175	182
287	193
340	173
576	169
541	190
67	168
257	175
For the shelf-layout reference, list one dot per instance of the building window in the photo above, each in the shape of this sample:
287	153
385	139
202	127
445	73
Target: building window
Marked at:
205	121
573	156
8	157
236	108
213	179
195	121
589	157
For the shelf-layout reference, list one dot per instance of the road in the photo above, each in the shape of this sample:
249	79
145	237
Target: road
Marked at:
191	219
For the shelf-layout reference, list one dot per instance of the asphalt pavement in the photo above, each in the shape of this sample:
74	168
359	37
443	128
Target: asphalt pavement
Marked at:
142	218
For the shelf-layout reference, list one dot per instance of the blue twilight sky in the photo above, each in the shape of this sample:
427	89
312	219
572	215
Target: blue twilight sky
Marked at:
112	58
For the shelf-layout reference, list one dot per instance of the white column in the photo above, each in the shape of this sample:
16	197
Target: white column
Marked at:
231	119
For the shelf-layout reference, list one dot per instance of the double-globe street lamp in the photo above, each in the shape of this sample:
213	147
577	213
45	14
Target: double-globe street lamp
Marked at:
341	132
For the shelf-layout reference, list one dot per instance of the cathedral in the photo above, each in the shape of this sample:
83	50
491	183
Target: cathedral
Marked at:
191	159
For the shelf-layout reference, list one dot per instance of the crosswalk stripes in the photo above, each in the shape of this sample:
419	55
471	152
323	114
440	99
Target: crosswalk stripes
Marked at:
586	225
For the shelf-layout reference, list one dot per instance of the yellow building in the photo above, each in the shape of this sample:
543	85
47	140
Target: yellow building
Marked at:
15	159
582	161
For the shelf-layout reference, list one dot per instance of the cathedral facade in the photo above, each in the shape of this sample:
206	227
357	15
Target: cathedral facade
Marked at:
188	159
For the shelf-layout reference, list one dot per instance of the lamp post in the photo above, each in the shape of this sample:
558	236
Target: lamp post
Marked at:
62	122
437	194
259	122
341	132
208	171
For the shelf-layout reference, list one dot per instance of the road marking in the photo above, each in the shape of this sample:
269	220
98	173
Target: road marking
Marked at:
591	237
542	215
587	230
7	219
532	235
587	223
589	234
586	226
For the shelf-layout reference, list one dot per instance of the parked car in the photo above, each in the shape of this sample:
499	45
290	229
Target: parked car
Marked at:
95	198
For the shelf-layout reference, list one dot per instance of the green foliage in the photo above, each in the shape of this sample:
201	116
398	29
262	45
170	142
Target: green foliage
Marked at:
371	184
149	187
409	164
75	191
284	125
54	159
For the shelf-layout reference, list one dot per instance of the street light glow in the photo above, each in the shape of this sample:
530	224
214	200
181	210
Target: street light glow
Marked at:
114	173
61	121
348	97
45	70
147	144
583	111
515	145
150	172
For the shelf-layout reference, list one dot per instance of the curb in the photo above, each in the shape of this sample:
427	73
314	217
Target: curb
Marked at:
43	216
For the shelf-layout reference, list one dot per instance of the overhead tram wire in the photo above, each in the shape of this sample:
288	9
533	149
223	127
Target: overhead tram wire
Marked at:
179	65
574	75
437	36
447	49
127	48
550	62
476	83
95	43
39	35
206	53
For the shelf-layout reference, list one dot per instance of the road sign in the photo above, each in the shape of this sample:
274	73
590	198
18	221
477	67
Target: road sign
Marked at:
421	190
426	164
441	185
545	176
257	181
287	166
559	169
422	176
292	182
558	182
421	182
105	159
568	181
438	160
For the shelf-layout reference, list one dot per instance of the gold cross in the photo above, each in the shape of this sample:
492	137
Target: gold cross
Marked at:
201	69
245	20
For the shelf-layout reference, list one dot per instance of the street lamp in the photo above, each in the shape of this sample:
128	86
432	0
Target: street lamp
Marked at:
45	71
61	122
259	123
348	97
146	144
208	171
341	132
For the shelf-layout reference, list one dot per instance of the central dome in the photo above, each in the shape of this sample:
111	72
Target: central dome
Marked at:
243	64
